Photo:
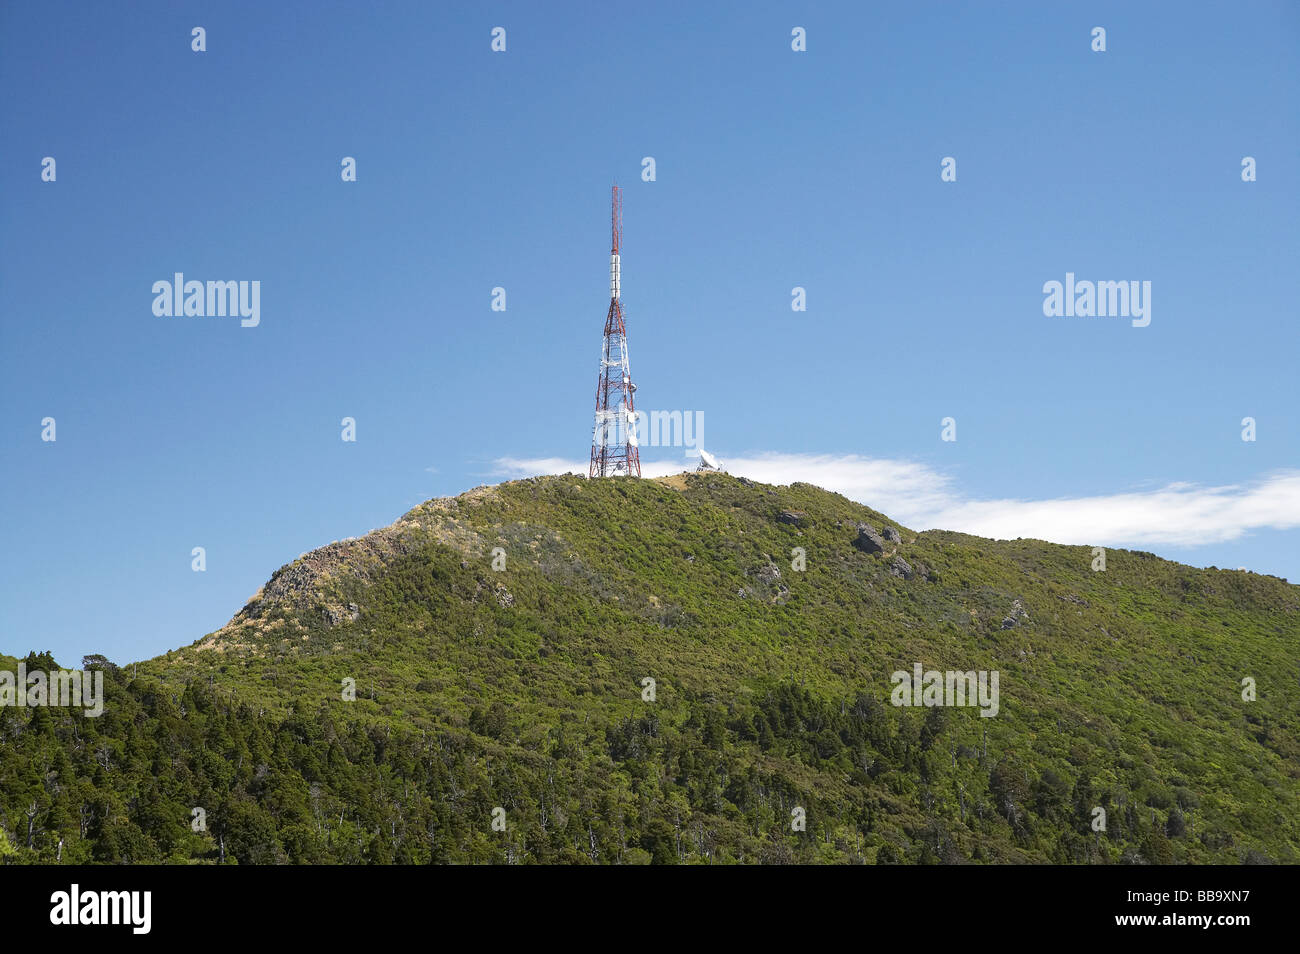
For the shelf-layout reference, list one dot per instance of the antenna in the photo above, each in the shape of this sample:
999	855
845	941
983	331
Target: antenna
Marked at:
614	445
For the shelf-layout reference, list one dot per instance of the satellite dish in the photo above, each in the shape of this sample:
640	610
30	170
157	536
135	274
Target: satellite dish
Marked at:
708	460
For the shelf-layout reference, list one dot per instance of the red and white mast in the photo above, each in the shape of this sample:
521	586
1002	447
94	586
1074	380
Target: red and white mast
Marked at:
614	450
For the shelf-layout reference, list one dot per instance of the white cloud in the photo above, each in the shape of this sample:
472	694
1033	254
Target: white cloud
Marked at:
1176	515
1179	514
511	467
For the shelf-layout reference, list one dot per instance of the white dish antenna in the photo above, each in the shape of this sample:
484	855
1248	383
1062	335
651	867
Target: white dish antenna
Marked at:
708	460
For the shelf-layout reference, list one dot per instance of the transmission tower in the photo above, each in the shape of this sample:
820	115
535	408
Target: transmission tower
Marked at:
614	450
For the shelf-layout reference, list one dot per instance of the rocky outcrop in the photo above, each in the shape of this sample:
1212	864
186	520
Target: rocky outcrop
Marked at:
868	541
308	587
1016	616
335	615
503	596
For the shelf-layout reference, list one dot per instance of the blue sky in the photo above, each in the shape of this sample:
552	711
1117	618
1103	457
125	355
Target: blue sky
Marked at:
774	169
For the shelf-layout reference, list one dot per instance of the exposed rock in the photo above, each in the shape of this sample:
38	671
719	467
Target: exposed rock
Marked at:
769	574
304	587
741	593
892	535
334	616
868	541
1016	615
900	567
504	596
746	481
795	517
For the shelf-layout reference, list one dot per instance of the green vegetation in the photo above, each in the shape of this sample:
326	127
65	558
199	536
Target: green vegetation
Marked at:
522	688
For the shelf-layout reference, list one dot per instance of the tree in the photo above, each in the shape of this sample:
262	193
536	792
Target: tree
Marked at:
1177	825
1156	848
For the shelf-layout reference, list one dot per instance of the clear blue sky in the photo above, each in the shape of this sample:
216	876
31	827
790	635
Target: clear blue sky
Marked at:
479	169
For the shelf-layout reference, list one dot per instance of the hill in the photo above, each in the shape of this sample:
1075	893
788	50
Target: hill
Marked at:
500	643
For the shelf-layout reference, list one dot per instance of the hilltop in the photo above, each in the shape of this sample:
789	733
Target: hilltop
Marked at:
499	643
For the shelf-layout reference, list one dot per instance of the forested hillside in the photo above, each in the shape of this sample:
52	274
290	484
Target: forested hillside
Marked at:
500	645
